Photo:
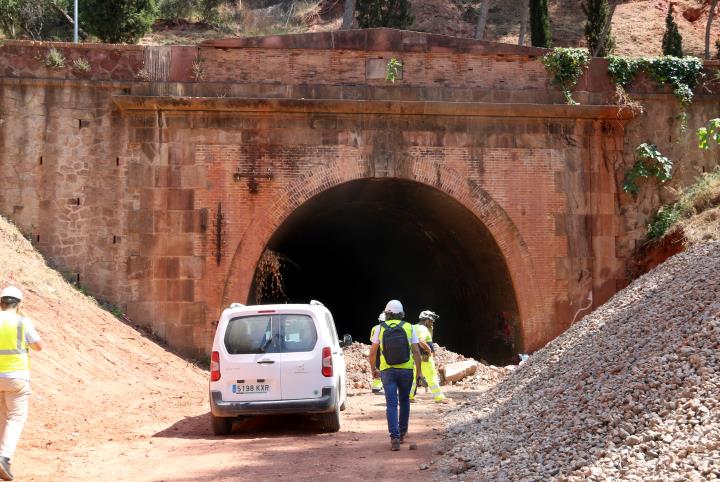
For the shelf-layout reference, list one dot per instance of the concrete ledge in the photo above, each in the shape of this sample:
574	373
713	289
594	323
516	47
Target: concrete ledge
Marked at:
471	109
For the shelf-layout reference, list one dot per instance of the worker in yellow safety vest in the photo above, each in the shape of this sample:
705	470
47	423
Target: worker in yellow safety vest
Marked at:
376	385
396	343
17	333
427	349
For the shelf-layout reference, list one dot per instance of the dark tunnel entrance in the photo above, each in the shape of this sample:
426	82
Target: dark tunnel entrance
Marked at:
360	244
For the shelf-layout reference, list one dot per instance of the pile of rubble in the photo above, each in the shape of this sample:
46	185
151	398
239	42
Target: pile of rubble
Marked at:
461	371
631	392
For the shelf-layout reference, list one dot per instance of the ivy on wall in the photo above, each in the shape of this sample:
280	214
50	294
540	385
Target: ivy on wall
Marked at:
649	162
565	66
682	74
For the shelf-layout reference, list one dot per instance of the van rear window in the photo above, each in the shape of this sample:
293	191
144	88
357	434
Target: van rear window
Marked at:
270	334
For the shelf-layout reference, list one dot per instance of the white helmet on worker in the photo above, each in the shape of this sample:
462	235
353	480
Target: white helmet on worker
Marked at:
428	315
381	316
394	310
12	292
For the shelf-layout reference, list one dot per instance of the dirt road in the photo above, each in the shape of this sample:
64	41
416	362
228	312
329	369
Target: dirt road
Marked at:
169	439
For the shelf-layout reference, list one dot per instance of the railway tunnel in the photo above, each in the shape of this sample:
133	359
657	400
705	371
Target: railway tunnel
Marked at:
357	245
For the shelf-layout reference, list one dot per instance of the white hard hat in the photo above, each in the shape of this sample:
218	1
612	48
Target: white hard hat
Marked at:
394	306
428	315
11	292
381	317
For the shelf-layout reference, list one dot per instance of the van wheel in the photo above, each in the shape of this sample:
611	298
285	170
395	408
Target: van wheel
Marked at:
221	425
330	422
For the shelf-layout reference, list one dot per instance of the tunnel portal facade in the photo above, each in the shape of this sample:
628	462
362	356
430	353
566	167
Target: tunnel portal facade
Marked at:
477	195
465	215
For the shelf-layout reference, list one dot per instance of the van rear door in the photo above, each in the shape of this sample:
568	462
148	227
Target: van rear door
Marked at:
301	357
251	360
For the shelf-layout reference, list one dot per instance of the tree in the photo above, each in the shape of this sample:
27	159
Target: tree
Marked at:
672	40
348	14
524	11
482	20
36	19
384	13
597	28
120	20
711	15
540	35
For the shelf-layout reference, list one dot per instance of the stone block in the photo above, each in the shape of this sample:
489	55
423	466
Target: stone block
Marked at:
138	267
141	221
191	267
193	314
181	290
178	245
166	268
181	199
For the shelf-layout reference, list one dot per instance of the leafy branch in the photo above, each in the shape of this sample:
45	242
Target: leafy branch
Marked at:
649	162
710	132
394	70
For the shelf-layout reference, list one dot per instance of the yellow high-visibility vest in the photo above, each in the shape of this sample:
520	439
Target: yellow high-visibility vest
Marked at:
13	347
408	331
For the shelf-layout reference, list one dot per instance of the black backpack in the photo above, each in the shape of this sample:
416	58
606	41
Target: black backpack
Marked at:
395	345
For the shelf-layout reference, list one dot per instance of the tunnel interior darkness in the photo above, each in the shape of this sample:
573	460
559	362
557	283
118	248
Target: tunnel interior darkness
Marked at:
356	246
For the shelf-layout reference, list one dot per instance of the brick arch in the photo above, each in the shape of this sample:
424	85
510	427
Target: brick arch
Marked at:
431	174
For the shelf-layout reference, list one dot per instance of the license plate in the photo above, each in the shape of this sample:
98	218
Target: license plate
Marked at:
250	388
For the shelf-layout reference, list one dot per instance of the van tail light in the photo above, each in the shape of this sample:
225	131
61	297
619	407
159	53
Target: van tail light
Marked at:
327	370
215	366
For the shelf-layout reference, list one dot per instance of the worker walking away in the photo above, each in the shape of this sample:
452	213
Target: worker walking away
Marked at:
17	333
424	330
398	345
376	385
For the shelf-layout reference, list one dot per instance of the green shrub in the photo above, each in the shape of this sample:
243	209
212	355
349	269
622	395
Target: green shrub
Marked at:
383	13
175	10
81	64
118	21
540	35
566	65
55	59
672	40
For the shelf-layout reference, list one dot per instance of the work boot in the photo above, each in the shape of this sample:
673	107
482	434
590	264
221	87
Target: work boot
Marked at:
402	437
5	473
394	445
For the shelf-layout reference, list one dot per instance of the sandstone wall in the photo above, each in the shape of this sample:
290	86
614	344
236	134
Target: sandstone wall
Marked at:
119	182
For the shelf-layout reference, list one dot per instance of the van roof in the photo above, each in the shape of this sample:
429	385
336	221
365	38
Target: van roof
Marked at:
279	308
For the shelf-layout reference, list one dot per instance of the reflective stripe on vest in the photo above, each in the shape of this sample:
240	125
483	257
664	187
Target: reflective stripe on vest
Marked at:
408	330
13	349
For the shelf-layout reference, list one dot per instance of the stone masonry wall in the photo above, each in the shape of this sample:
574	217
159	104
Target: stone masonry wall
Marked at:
128	185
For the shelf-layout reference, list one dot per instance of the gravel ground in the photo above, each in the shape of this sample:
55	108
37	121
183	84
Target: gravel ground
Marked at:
628	393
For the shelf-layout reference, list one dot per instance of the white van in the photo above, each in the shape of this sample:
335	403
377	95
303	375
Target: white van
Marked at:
277	359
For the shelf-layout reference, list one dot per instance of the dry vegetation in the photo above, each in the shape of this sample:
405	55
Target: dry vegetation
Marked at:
638	25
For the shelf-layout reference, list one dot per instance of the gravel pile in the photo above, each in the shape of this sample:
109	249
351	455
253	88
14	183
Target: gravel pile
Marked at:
628	393
360	377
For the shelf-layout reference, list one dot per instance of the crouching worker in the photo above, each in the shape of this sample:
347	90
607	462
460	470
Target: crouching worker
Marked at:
16	334
424	332
376	386
399	353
